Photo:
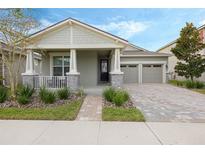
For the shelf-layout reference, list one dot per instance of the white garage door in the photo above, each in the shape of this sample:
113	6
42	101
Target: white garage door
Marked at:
130	73
152	74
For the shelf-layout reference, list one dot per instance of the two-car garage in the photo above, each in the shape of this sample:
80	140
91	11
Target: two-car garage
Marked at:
151	73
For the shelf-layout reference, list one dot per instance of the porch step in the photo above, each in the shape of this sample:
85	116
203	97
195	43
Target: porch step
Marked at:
91	109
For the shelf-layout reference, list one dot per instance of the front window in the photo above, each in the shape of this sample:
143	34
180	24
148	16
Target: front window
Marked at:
61	65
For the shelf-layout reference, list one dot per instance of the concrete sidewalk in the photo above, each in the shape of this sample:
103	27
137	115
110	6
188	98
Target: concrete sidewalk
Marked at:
96	132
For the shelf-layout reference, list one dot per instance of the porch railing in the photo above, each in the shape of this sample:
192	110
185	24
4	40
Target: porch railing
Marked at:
51	82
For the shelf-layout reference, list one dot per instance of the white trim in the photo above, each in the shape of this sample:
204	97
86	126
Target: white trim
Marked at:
52	54
139	73
75	46
164	73
145	55
143	62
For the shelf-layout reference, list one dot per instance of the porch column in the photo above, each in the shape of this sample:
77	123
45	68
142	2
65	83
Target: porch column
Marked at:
116	76
73	76
73	61
29	76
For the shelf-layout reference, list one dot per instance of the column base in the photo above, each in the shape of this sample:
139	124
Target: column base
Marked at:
73	81
116	80
29	79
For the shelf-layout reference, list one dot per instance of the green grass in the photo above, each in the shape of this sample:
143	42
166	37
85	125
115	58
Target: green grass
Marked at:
63	112
121	114
202	91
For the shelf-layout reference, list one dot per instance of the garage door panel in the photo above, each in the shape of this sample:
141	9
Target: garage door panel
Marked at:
152	74
130	73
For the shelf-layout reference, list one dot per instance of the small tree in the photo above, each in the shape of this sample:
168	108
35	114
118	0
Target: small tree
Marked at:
187	48
15	26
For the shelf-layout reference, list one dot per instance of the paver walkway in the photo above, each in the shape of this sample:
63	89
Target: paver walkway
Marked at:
91	109
99	132
164	102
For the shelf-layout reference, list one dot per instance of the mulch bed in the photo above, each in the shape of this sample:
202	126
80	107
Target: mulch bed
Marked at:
127	105
35	102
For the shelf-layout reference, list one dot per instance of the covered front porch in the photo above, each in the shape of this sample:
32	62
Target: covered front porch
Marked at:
74	68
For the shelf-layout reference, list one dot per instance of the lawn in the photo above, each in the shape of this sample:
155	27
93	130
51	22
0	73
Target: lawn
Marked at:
65	112
121	114
202	91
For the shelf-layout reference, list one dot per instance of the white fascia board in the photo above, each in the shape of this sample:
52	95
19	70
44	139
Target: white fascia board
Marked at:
144	55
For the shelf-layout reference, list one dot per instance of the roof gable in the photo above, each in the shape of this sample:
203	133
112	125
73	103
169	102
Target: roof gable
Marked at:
79	30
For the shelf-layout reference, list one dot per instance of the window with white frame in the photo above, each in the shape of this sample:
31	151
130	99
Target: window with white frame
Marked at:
61	65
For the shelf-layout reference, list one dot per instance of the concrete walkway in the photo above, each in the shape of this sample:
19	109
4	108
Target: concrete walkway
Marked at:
91	109
98	132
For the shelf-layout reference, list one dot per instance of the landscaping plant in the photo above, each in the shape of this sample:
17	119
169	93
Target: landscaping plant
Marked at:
24	94
47	96
187	50
109	93
3	94
63	93
118	97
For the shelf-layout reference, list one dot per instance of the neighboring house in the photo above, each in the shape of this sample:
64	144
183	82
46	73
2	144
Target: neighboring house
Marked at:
4	76
172	60
76	54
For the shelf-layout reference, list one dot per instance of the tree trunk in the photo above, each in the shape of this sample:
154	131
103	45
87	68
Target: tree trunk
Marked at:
192	78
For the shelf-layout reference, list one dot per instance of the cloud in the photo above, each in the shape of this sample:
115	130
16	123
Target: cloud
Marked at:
45	23
125	29
202	22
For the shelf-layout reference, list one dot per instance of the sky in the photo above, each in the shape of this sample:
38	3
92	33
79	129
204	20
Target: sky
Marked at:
147	28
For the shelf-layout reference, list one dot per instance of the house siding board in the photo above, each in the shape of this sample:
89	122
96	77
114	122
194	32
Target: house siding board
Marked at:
82	35
56	37
87	64
141	59
46	65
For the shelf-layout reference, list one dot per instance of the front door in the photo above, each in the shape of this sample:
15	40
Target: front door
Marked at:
104	74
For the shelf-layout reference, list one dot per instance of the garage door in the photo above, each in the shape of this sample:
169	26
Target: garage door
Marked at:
130	73
152	74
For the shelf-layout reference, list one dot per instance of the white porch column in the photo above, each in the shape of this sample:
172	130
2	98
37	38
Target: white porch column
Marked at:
116	76
29	76
29	63
164	73
139	73
116	67
73	80
73	62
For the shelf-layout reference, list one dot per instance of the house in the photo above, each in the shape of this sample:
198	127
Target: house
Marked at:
172	60
4	75
76	54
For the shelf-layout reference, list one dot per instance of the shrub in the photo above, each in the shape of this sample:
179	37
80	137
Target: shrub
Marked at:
3	94
177	82
109	93
25	91
23	99
47	96
199	85
120	97
190	84
63	93
80	92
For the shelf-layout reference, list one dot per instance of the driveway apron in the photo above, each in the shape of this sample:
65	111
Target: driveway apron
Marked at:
163	102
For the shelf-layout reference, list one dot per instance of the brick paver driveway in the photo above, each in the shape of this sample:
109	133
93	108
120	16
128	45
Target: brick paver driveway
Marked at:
163	102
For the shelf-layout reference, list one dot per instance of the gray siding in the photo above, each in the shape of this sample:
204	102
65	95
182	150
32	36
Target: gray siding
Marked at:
87	63
125	59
